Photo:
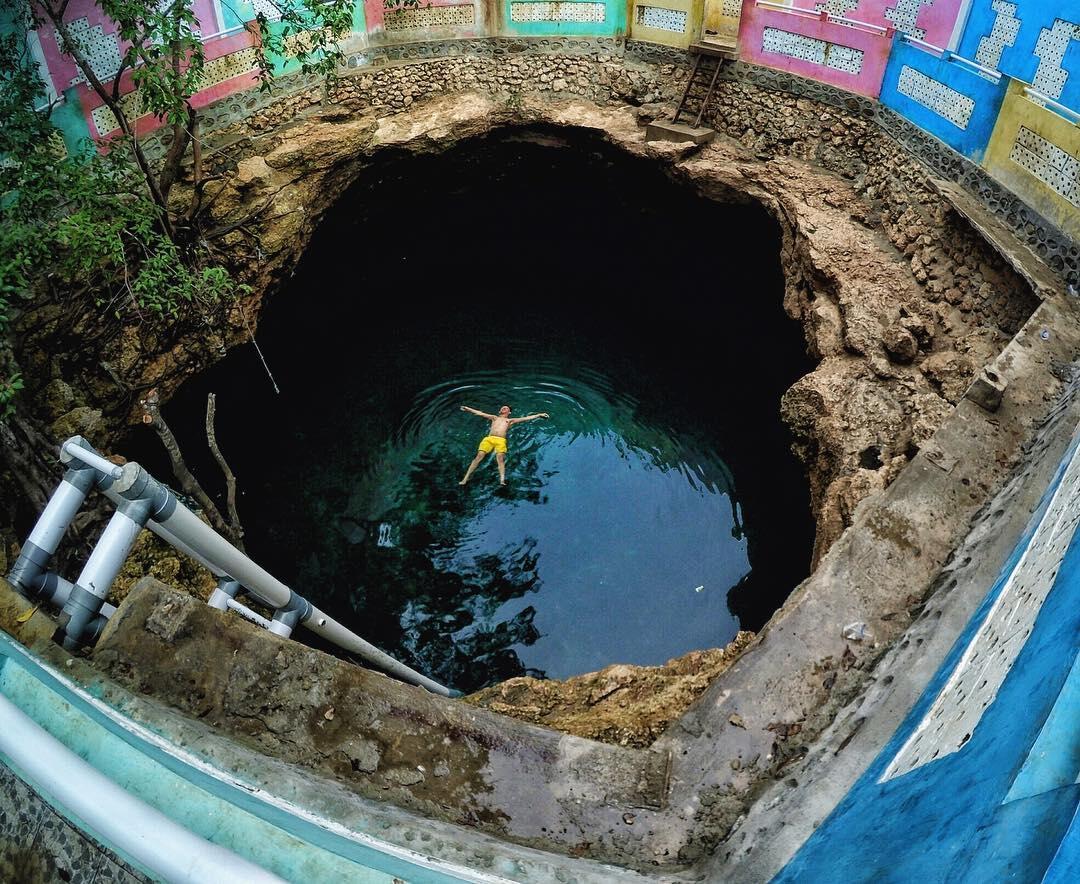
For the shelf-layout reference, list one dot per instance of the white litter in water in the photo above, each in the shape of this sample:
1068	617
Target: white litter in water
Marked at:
699	588
384	538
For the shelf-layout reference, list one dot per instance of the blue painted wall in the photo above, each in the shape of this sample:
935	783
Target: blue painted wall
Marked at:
1019	60
971	141
952	819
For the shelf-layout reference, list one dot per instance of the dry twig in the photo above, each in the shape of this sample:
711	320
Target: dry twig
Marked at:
230	477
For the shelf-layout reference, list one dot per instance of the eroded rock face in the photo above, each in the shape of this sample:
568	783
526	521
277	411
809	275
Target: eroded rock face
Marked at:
901	301
627	705
883	276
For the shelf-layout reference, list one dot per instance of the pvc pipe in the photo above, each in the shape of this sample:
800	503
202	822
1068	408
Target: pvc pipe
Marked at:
49	529
58	589
190	533
189	529
327	627
109	554
107	558
837	19
168	850
62	507
246	612
72	449
1033	94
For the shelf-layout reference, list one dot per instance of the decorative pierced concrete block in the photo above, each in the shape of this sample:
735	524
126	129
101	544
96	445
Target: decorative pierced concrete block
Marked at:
102	50
732	8
843	58
1006	27
555	11
228	66
268	8
974	683
215	71
837	7
941	99
673	20
833	55
104	120
1050	48
1053	166
430	17
904	16
793	45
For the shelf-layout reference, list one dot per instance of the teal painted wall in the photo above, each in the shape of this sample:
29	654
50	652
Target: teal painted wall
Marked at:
614	20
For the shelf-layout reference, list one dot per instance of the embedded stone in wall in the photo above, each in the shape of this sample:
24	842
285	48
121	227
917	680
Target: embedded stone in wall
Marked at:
430	17
1006	27
832	55
1049	163
557	11
930	93
663	19
1051	47
101	50
974	683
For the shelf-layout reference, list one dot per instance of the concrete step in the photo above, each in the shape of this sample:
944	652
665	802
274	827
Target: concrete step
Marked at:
665	130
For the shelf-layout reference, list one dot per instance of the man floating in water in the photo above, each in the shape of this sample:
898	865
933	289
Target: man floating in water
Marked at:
495	440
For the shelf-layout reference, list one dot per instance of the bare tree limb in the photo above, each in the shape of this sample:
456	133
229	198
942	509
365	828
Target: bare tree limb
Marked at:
230	478
188	482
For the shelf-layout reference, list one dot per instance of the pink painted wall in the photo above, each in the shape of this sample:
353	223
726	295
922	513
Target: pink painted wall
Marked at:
375	16
937	19
63	70
214	48
875	47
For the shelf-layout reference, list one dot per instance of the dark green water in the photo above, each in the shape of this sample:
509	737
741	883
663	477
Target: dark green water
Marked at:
657	509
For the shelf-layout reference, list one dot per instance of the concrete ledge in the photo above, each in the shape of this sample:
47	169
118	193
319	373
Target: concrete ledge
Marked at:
664	130
380	738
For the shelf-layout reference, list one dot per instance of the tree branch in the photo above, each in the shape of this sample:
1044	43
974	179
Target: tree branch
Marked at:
71	46
230	478
188	482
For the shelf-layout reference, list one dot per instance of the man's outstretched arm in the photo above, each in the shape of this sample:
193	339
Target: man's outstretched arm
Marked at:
490	417
529	417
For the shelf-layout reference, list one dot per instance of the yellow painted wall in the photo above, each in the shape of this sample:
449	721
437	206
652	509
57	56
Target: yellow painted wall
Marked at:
1019	169
721	21
692	8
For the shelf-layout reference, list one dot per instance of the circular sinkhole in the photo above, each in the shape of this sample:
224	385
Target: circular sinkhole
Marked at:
657	510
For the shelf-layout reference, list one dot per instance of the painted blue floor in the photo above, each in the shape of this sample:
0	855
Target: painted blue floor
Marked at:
1002	807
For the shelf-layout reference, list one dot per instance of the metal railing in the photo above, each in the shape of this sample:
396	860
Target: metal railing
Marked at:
826	16
982	70
1045	101
141	501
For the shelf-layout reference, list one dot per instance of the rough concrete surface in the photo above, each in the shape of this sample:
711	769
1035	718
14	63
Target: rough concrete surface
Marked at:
383	739
791	808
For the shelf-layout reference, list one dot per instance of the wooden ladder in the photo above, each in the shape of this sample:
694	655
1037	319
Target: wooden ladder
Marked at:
696	95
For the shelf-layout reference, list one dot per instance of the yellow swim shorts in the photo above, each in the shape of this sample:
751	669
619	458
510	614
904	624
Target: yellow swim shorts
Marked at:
493	443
